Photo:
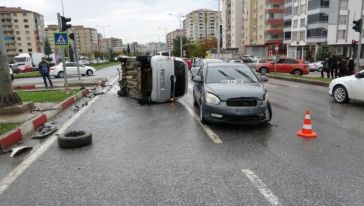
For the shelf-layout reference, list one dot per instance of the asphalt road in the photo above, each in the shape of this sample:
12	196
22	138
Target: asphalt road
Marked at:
159	155
109	73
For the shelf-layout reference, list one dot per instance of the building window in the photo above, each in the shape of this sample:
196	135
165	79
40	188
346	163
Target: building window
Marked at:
30	50
287	23
341	34
15	20
29	44
295	23
294	36
318	18
16	26
24	14
25	20
26	26
296	10
317	33
303	22
20	50
314	4
343	19
19	44
302	36
343	4
27	32
18	38
303	9
14	14
17	32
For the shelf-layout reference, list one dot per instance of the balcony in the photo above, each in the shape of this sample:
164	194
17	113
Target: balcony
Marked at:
276	1
275	11
275	21
274	41
274	31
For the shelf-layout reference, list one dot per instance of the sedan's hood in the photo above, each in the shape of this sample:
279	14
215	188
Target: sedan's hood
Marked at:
228	91
343	79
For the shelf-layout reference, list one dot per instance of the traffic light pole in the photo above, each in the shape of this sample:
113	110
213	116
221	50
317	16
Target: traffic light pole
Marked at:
360	38
63	54
76	55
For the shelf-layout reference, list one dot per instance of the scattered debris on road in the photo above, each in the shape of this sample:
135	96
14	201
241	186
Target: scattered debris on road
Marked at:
19	150
45	130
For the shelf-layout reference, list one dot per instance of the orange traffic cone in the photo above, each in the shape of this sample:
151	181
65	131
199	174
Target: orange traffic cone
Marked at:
307	131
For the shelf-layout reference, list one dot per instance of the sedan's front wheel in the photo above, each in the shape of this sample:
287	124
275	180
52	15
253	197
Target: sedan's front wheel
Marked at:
340	94
89	73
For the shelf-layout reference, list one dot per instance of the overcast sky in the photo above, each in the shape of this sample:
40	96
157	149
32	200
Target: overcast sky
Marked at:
130	20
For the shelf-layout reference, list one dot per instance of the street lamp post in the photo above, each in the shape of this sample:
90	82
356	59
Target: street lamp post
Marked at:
180	32
103	32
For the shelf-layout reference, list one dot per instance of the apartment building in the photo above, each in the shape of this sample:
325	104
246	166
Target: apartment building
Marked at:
201	24
172	35
263	30
112	44
23	30
233	28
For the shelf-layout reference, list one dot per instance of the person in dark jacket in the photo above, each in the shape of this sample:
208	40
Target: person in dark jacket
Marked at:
342	67
43	69
326	68
351	66
332	65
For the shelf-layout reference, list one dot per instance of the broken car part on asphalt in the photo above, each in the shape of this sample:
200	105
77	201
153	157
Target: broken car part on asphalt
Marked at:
19	150
45	130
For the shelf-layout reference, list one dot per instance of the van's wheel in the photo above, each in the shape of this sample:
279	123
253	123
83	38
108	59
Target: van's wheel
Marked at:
60	74
263	71
89	72
297	72
74	139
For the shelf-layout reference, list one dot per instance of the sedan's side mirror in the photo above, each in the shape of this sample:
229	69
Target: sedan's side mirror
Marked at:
264	78
197	79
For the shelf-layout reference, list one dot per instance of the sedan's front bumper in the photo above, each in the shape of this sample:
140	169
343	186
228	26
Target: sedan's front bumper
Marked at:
235	115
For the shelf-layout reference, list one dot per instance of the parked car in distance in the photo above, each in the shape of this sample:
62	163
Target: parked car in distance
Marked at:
284	65
346	88
231	93
71	67
201	63
316	66
188	62
23	69
236	61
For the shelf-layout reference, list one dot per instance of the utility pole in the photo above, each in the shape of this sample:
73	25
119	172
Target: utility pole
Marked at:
218	30
360	38
63	54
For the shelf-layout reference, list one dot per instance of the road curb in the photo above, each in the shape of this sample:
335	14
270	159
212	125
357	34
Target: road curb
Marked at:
304	81
14	136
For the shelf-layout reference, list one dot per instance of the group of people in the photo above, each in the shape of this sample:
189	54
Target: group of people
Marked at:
338	67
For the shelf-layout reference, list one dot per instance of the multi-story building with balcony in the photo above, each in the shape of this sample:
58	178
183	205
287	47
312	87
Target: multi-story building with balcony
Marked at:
232	21
172	35
23	30
201	24
263	27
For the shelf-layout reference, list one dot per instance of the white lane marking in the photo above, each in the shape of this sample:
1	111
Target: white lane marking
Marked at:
17	171
263	189
212	135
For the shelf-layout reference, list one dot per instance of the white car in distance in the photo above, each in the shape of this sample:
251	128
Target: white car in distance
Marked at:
346	88
71	69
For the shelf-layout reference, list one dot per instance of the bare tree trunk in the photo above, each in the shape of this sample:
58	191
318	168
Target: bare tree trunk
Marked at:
7	95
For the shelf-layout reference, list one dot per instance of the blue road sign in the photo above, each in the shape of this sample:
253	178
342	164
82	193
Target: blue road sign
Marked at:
61	39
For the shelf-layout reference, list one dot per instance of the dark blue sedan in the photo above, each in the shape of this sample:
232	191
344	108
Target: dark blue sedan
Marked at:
231	93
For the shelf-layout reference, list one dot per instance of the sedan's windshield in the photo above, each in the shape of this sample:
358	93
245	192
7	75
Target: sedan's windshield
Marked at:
20	59
228	74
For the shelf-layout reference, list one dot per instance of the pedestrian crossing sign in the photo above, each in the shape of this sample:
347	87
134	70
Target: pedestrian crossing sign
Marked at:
61	39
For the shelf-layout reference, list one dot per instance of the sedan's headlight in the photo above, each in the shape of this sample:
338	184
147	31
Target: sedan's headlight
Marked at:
212	99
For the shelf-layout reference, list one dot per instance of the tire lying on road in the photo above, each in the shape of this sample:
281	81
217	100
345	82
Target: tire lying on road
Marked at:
74	139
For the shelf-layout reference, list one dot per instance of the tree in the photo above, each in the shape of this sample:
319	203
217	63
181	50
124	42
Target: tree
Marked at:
177	46
8	97
47	48
324	52
128	50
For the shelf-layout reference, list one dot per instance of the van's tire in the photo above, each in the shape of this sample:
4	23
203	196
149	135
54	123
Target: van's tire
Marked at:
74	139
89	72
60	74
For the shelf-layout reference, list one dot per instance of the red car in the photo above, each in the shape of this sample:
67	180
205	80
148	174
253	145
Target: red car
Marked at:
284	65
23	69
188	62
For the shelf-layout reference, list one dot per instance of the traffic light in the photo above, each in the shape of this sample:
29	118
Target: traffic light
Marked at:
357	25
72	36
64	25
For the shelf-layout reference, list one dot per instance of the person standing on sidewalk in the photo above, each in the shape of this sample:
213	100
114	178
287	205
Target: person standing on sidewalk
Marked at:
351	66
43	68
326	68
332	65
